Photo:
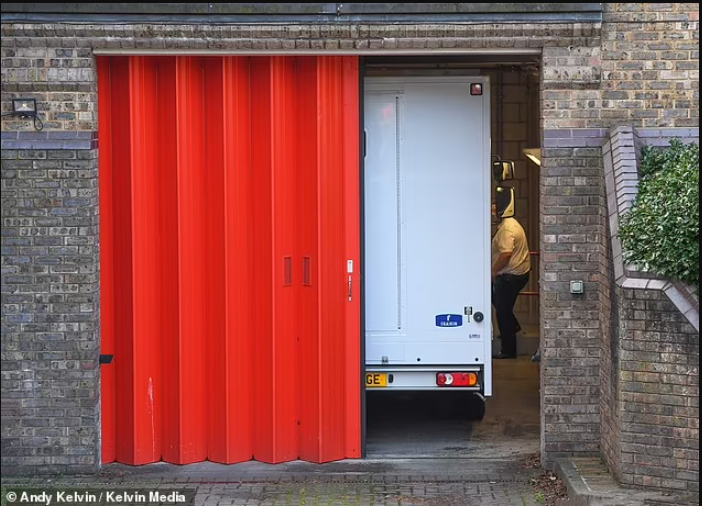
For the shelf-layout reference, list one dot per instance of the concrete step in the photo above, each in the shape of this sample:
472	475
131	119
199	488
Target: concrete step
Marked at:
590	484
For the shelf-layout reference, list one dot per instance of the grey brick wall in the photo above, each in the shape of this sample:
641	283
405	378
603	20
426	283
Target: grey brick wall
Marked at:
50	290
650	380
658	392
645	72
610	387
651	65
573	238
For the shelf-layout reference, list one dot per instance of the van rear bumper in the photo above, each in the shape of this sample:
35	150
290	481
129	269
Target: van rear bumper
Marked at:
418	378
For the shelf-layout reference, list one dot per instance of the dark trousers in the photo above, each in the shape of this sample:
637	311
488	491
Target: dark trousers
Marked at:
504	296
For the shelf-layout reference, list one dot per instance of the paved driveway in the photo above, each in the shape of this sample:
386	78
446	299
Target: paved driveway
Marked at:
366	483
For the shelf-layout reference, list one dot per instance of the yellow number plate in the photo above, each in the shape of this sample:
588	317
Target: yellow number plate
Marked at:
375	380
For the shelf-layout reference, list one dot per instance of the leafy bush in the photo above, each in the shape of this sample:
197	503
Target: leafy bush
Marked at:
662	231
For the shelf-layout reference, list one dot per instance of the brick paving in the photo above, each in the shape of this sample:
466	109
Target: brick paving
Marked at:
427	483
430	494
349	494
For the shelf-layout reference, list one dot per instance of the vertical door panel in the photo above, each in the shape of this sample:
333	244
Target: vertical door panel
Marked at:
228	152
275	355
126	416
263	260
238	258
230	199
145	251
218	386
107	257
352	225
328	156
308	248
286	276
333	278
168	237
188	442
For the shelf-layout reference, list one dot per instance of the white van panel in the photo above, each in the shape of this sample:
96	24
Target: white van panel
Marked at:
427	223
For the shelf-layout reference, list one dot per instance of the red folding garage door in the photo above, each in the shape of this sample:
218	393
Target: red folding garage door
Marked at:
229	200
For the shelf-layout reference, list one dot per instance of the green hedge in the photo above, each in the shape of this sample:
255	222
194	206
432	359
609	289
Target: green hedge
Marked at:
662	231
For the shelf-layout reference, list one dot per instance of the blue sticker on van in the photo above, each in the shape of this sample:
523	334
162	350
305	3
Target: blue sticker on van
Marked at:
449	320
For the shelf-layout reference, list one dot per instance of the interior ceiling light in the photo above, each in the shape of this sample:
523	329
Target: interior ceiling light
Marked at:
534	154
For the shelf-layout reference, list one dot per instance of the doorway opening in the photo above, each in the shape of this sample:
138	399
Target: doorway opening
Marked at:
418	255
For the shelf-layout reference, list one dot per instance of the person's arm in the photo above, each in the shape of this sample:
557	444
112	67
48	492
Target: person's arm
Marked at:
501	262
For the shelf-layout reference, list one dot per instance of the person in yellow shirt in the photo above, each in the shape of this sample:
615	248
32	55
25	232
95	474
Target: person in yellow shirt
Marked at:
511	266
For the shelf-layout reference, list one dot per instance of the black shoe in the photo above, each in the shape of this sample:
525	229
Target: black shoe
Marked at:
504	356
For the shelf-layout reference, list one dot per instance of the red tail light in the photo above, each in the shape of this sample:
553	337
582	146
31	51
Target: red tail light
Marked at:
456	379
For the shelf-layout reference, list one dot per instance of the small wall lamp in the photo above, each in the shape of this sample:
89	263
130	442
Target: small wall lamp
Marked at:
26	108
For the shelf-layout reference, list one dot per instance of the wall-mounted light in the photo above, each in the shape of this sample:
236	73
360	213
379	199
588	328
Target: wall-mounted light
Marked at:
26	108
533	154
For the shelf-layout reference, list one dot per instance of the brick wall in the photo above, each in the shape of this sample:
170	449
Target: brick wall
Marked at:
586	89
650	369
50	326
573	234
573	247
54	63
650	65
658	390
610	387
